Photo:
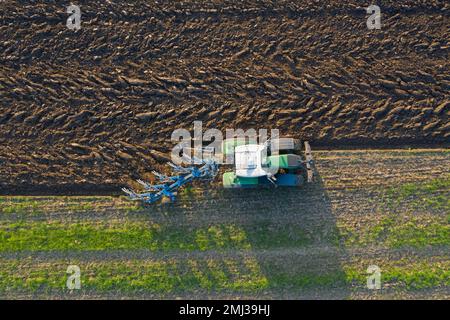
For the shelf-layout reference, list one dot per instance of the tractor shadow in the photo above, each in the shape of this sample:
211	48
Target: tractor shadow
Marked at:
264	243
301	255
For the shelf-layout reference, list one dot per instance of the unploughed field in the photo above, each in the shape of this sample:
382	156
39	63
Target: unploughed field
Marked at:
388	208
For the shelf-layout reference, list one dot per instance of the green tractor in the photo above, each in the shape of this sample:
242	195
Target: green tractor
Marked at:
280	162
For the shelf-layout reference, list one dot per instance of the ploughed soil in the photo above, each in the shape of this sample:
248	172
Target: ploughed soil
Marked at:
97	107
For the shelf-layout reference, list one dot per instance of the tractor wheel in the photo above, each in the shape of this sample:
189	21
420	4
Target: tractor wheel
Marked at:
290	180
285	146
228	179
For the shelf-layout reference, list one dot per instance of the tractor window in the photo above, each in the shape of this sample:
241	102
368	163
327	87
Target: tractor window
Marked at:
264	159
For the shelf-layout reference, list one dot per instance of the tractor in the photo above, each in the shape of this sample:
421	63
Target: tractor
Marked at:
277	162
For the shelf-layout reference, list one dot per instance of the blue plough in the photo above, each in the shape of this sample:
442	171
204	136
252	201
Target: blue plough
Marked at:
170	184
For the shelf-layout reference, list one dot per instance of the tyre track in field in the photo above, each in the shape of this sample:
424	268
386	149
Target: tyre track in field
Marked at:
307	294
307	255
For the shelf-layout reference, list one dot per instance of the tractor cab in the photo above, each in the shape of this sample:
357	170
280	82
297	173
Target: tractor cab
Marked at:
250	160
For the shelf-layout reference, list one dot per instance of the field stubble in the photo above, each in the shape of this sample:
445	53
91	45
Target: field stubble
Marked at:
385	208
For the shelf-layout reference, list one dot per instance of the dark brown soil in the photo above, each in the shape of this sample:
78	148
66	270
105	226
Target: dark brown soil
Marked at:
98	106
